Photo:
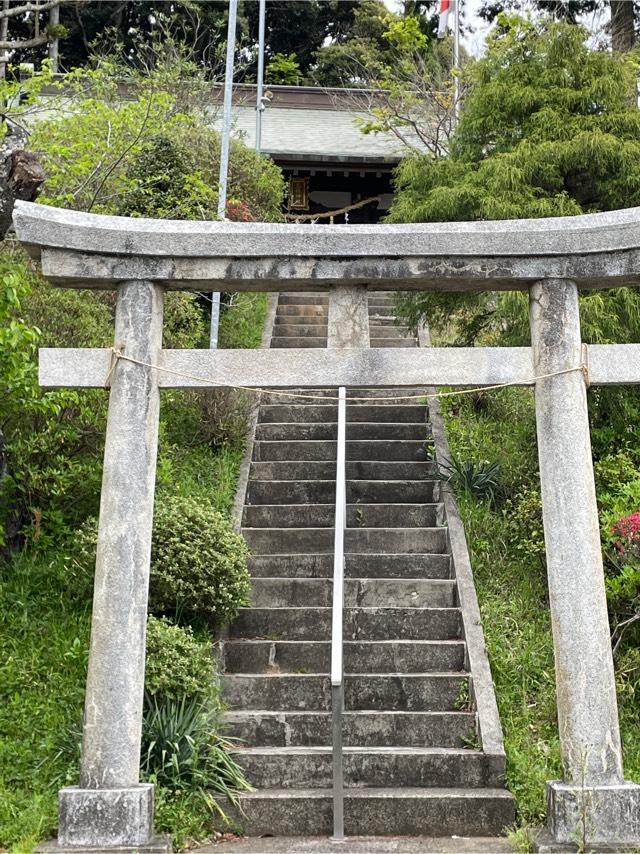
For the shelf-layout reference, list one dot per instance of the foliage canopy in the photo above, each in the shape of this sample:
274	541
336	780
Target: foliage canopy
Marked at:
549	128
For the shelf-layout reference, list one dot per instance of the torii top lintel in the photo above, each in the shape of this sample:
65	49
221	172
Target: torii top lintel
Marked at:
90	250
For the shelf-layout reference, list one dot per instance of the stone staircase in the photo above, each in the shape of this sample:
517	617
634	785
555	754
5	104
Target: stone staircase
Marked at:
413	757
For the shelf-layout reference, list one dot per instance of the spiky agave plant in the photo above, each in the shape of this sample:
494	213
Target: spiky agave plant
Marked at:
183	748
480	478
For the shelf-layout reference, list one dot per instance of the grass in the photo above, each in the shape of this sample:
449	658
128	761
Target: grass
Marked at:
44	632
507	552
45	623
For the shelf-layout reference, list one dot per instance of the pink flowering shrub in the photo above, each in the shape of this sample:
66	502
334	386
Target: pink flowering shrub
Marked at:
627	533
239	211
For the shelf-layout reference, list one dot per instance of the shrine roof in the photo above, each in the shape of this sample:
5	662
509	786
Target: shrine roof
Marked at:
309	123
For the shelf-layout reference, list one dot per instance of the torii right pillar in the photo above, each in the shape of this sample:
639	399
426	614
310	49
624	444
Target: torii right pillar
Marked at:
593	805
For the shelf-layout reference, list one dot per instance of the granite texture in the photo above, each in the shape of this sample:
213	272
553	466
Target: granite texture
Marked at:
585	684
455	366
105	818
594	815
38	225
79	249
348	322
483	272
115	679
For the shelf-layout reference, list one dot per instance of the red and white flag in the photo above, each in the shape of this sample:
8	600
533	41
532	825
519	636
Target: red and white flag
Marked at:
443	23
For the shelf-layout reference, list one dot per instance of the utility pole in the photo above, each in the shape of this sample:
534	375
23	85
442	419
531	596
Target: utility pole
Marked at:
260	80
456	60
54	22
443	27
4	32
224	153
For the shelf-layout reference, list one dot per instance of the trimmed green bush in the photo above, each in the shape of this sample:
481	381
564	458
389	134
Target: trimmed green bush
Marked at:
198	562
178	663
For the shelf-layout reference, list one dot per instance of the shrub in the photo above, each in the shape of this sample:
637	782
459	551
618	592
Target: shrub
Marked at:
178	663
224	413
198	563
52	438
480	479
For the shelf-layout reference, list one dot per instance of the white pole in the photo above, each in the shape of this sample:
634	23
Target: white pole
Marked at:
260	80
456	60
54	21
224	153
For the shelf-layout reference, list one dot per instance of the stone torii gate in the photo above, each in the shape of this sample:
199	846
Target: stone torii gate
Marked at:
140	258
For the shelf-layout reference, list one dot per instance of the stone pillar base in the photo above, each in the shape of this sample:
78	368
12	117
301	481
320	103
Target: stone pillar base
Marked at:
157	845
105	818
593	815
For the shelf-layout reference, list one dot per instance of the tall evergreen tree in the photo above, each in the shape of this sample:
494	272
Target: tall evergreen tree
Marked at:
549	127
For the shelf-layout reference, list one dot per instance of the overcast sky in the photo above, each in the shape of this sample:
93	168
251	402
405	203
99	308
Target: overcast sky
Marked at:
474	42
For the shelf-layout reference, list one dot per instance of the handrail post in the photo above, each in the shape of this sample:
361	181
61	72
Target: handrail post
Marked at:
337	665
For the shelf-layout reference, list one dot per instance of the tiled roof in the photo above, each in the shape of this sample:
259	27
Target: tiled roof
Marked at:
313	134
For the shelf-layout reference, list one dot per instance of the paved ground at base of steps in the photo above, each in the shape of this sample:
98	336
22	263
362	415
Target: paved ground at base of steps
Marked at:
361	845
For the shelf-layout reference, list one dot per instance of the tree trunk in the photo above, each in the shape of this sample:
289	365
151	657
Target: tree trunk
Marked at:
622	25
21	175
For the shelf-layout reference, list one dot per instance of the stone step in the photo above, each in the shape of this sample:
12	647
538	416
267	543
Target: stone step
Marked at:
385	331
386	396
380	450
411	692
394	342
302	311
389	320
299	330
358	515
358	592
280	341
303	299
324	491
372	396
359	624
327	430
280	413
311	767
311	320
414	656
360	729
401	413
387	310
404	566
382	298
361	540
377	470
385	812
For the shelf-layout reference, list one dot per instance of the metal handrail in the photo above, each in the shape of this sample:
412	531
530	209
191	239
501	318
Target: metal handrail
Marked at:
337	664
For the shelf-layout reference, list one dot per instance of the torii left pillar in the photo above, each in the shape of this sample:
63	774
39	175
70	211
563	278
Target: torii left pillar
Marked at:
111	808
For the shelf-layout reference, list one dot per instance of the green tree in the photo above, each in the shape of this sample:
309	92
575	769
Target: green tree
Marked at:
298	27
154	155
150	154
407	73
548	128
284	70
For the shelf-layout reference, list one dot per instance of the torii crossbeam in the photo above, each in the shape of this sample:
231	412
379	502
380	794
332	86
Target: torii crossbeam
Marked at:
550	258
